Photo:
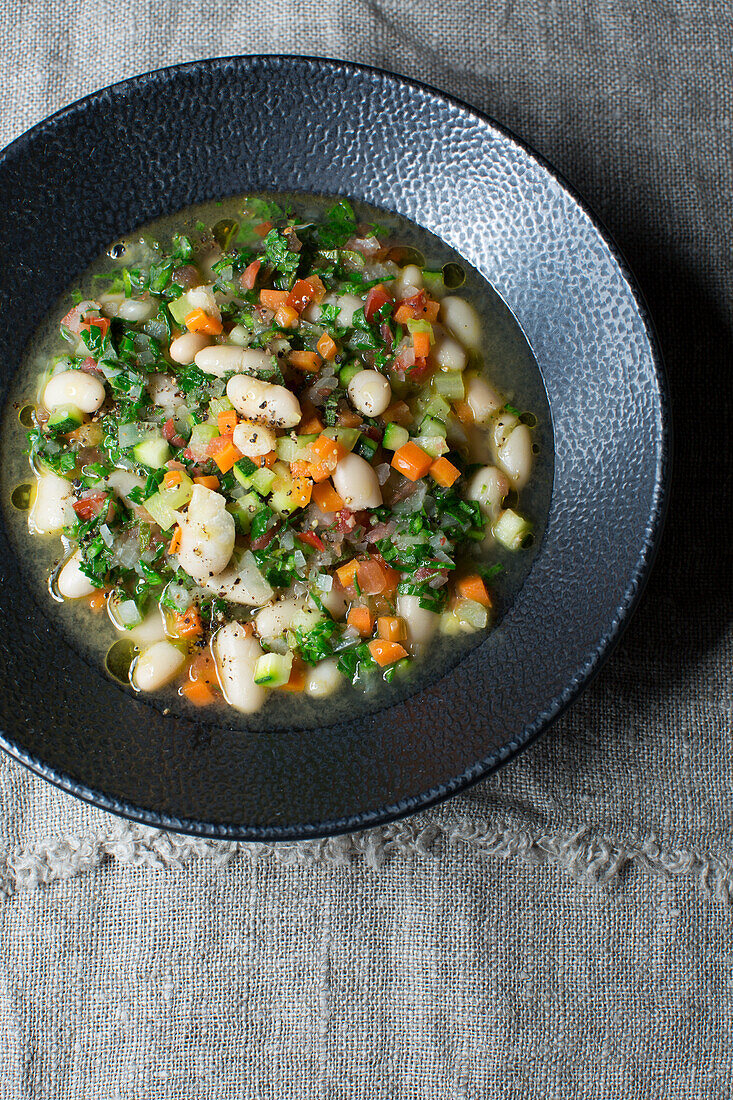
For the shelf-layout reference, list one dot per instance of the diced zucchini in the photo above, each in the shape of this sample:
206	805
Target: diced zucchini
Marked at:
431	426
162	512
366	447
282	501
273	669
395	436
348	371
243	471
449	383
66	418
295	450
434	445
153	452
434	283
472	612
263	480
511	529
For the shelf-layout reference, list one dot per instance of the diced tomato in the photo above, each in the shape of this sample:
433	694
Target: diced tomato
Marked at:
418	306
376	298
249	275
73	318
310	539
170	433
420	371
90	506
102	323
371	577
302	293
345	521
264	540
89	366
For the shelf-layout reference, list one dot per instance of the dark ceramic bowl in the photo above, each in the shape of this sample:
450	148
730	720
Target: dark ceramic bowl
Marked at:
133	152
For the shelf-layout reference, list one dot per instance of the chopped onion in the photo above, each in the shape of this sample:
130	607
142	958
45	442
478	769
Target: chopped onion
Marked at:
178	595
128	614
288	540
382	471
324	582
438	582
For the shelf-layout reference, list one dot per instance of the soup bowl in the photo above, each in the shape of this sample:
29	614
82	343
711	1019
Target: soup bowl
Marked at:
134	152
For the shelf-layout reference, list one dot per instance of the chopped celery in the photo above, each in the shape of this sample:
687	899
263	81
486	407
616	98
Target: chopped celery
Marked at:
449	383
201	436
437	406
431	426
421	325
219	405
180	308
165	516
347	437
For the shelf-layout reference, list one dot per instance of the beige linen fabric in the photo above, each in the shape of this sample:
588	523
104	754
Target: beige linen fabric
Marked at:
562	931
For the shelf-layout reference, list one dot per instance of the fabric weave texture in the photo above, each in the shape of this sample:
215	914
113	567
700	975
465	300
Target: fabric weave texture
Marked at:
563	930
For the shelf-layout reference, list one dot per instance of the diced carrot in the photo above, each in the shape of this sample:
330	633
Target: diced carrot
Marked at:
263	229
175	541
199	321
473	588
319	290
297	677
98	600
320	471
198	692
266	460
327	450
326	346
273	299
464	412
188	623
326	497
300	468
398	413
391	628
421	344
310	426
302	293
403	314
362	620
386	653
171	478
301	491
347	573
444	472
227	421
286	317
308	361
224	453
412	461
249	275
209	481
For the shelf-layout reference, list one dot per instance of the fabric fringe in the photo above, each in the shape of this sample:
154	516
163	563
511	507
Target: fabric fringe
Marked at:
588	859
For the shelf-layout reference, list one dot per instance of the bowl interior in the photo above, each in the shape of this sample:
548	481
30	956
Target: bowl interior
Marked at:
466	181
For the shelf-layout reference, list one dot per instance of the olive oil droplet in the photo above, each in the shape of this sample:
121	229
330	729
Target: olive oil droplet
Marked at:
20	497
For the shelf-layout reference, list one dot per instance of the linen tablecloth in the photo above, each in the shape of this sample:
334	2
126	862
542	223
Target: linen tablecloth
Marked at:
563	930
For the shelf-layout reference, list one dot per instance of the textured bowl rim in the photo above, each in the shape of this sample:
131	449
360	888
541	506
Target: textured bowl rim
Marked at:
624	611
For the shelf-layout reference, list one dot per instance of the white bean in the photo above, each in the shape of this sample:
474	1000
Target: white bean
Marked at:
488	486
515	456
53	506
71	583
109	304
274	619
356	483
421	624
132	309
370	392
207	537
503	426
408	282
254	440
334	602
258	400
149	631
74	387
236	656
157	666
462	319
482	399
222	359
184	349
239	335
123	482
446	352
323	679
242	583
